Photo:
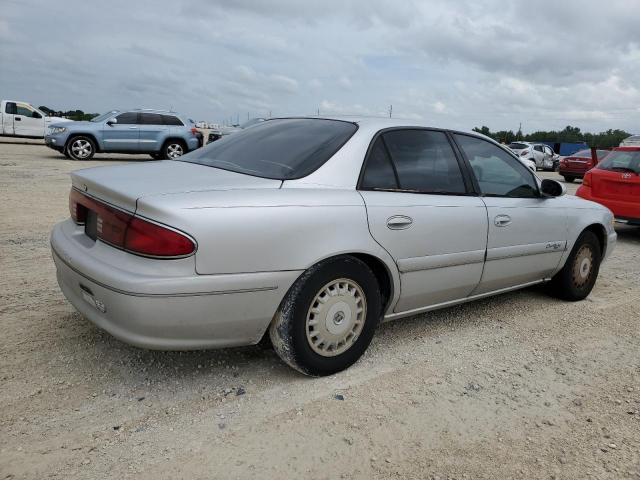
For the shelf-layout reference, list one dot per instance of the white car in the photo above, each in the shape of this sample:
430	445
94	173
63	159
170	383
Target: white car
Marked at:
314	230
20	119
540	154
632	141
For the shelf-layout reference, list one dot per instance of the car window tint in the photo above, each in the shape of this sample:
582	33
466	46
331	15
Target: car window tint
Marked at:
378	171
283	149
537	148
171	120
622	161
424	161
151	119
10	108
128	118
498	173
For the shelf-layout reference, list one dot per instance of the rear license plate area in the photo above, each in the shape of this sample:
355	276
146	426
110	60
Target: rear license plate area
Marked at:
91	225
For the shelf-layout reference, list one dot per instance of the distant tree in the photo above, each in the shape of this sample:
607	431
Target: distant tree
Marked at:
570	134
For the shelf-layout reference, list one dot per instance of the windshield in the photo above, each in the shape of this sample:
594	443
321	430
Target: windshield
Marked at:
622	161
518	146
104	116
283	149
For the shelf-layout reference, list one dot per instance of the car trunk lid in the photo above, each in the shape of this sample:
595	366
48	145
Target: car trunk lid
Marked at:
616	185
123	185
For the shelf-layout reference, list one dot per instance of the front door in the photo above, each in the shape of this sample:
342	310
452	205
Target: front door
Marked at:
123	135
27	121
527	232
420	210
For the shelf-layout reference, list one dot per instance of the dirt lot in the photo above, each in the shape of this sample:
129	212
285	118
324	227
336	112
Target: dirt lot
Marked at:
518	386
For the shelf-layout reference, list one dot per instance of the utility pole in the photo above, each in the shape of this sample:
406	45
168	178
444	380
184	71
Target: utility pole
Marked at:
318	112
390	110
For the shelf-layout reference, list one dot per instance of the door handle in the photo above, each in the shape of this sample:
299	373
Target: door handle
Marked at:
17	119
502	220
399	222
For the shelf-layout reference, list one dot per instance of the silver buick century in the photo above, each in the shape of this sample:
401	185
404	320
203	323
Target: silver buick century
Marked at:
314	230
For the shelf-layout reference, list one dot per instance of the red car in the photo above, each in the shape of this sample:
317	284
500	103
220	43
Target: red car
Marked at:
615	183
576	165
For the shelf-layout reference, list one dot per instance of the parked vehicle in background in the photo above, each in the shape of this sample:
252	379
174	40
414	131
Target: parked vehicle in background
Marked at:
218	133
576	165
20	119
632	141
615	183
540	154
313	230
162	134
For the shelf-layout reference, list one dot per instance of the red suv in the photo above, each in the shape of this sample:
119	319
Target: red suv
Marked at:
615	183
576	165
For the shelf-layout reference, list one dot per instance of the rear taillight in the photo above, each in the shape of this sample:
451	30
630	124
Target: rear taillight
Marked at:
524	152
586	181
195	131
128	232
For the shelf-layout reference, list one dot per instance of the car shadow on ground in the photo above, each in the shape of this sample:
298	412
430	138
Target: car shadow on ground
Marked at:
628	233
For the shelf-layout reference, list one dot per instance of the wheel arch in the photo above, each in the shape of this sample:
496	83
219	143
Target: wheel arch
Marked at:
601	234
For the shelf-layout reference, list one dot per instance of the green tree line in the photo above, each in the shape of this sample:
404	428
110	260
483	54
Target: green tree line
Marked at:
610	138
77	115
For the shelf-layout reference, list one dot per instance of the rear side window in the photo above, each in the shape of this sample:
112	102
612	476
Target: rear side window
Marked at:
10	108
282	149
499	174
150	119
518	146
171	120
379	172
128	118
424	161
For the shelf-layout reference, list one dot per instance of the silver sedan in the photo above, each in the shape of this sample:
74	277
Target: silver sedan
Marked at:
311	231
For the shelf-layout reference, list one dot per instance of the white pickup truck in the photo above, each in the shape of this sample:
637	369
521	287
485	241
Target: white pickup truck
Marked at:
20	119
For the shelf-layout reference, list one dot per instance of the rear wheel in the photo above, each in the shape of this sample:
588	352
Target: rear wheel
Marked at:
328	318
173	149
578	276
568	179
81	148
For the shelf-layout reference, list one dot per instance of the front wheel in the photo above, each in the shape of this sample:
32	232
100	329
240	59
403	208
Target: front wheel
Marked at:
81	148
328	318
578	276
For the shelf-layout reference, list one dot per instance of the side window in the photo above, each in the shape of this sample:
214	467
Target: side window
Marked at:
128	118
378	171
498	173
10	108
424	161
150	119
171	120
538	148
24	110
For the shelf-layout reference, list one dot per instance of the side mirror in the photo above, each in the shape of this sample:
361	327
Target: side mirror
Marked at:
552	188
112	121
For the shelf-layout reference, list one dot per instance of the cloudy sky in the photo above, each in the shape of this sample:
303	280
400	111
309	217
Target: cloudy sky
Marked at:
545	63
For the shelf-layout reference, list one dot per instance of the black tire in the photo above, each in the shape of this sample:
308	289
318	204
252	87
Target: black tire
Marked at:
289	331
80	148
568	179
173	149
578	276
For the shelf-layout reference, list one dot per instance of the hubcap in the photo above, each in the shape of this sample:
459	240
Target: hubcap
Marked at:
582	266
174	150
81	148
336	317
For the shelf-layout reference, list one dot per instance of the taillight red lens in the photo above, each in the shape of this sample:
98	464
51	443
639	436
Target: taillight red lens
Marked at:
195	131
586	181
148	238
123	230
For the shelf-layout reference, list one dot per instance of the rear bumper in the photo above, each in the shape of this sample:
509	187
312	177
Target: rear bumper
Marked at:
627	212
572	172
163	311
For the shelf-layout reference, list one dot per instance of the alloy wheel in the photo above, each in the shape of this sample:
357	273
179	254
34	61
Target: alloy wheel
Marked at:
174	150
81	148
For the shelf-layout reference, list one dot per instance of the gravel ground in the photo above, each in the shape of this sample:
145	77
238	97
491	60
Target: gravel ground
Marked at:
517	386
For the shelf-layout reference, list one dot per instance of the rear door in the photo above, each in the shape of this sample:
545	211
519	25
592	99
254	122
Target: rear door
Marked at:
152	132
7	118
527	232
123	135
421	210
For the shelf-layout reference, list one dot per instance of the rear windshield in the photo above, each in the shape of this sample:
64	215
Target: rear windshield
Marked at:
518	146
282	149
621	161
587	154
